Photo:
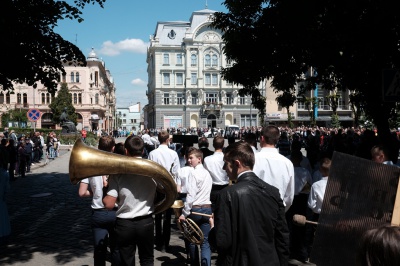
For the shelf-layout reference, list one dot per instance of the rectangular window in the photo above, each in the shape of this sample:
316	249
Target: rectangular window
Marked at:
194	98
166	59
179	98
77	76
131	121
214	79
229	99
166	78
207	79
247	120
211	97
179	59
301	106
72	77
179	78
80	98
242	100
207	60
193	78
214	60
134	120
193	59
166	98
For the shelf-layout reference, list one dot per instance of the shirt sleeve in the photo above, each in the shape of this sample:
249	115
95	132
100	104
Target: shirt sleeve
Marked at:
191	194
289	194
112	187
312	202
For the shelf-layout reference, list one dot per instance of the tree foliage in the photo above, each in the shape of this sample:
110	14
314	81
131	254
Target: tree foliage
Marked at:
287	99
14	115
348	43
63	100
30	50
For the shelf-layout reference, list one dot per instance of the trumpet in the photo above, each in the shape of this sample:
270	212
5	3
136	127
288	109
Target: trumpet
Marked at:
189	228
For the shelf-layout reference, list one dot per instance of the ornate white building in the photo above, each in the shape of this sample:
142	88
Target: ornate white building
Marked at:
185	88
92	90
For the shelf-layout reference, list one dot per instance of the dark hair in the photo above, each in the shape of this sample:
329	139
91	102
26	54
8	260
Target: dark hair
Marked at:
106	143
271	135
380	247
218	143
251	139
240	151
203	142
163	136
119	148
134	145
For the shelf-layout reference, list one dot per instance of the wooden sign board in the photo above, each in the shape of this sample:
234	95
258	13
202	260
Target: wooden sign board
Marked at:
360	195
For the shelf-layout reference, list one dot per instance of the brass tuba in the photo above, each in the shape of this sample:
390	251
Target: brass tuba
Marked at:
189	229
86	162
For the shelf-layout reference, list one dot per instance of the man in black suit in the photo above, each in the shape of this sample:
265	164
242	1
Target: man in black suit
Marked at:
250	225
203	146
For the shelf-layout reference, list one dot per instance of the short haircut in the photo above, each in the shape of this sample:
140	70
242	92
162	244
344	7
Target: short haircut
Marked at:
106	143
218	143
196	152
271	134
119	148
203	142
325	166
296	155
163	136
240	151
134	145
379	148
380	246
251	139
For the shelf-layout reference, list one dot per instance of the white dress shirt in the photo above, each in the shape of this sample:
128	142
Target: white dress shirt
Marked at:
166	157
96	186
146	139
198	189
276	170
182	177
214	164
135	195
317	193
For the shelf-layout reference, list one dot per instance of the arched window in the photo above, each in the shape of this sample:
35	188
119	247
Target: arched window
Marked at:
207	60
25	98
96	99
1	97
193	58
43	99
77	76
79	97
214	62
19	99
75	98
48	98
72	77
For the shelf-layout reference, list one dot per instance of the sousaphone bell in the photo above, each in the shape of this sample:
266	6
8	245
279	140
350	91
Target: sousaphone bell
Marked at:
87	162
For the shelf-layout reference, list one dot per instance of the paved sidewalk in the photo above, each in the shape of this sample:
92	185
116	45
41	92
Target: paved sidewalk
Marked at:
51	224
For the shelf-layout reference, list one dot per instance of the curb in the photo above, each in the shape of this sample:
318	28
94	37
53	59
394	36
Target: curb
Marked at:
47	161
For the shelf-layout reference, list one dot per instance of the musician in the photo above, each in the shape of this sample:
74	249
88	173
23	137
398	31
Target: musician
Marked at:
214	164
135	196
250	225
170	161
274	168
102	220
198	200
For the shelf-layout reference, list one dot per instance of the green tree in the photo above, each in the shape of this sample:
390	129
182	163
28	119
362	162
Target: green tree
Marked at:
30	50
63	100
287	99
348	43
14	115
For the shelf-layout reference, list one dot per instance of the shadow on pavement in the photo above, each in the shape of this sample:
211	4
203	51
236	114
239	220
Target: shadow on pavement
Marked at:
47	217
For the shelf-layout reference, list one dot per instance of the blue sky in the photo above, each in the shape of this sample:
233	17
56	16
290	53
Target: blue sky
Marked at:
120	32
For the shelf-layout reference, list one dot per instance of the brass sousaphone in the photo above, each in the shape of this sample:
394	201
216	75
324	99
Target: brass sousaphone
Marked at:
86	162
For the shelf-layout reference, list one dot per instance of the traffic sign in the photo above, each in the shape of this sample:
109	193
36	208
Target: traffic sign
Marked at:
33	114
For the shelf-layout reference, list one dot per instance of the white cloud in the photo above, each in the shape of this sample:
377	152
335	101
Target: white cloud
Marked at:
128	45
138	82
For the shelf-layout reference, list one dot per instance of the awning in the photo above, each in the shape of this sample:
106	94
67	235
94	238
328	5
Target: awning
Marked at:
94	116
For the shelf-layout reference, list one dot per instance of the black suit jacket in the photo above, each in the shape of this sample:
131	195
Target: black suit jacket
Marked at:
250	225
206	152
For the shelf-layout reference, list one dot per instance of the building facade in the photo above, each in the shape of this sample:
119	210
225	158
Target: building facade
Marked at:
92	91
185	88
129	118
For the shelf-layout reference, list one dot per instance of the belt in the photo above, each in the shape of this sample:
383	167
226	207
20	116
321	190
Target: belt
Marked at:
137	218
104	209
202	206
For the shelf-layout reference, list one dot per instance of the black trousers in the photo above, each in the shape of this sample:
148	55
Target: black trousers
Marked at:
215	190
132	233
163	228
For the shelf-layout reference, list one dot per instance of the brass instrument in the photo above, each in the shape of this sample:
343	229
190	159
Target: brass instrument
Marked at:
190	230
86	162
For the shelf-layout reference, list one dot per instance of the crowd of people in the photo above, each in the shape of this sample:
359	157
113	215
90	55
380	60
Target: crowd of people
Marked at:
242	196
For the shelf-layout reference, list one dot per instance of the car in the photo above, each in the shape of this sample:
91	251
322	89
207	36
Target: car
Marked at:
231	130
